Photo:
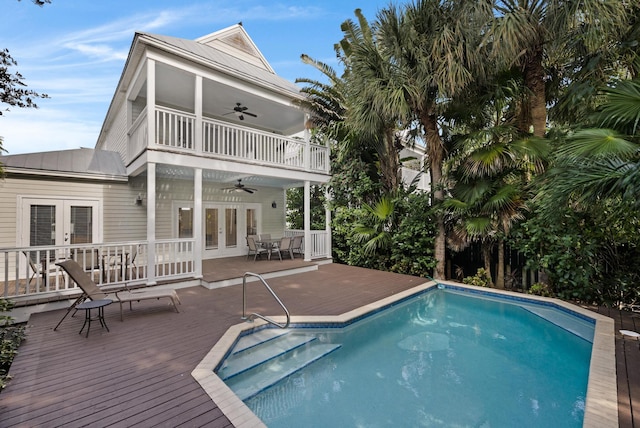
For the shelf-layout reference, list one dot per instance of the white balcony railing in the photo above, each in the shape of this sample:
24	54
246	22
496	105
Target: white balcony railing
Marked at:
176	130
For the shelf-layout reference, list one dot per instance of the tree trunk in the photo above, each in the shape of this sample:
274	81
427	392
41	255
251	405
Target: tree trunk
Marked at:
500	268
390	163
435	150
487	246
534	81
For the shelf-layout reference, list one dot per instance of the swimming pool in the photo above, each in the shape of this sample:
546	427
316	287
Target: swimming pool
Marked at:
440	358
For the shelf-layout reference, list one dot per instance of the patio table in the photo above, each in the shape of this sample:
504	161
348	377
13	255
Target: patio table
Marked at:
269	244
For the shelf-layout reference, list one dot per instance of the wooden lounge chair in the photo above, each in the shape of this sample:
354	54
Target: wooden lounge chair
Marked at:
93	292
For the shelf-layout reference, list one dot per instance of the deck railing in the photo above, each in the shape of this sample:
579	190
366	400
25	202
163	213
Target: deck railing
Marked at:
177	130
319	247
31	272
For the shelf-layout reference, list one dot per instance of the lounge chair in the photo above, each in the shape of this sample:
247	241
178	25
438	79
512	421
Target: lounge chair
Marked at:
93	292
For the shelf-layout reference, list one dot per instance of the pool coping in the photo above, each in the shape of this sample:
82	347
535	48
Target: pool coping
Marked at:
601	405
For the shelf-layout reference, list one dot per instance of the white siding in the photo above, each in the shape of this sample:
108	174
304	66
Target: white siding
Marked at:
116	138
122	220
169	191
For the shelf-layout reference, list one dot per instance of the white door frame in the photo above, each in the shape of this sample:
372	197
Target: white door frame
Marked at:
222	250
62	209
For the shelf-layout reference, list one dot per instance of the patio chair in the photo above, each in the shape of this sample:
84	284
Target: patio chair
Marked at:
254	248
284	247
40	267
93	292
264	236
296	245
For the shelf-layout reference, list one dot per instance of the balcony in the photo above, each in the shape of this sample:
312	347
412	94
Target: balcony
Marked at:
177	131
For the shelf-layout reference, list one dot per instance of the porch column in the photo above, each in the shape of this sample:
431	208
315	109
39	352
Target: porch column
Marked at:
197	221
307	221
151	223
151	103
197	108
327	224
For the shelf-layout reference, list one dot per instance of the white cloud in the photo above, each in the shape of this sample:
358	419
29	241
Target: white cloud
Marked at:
46	130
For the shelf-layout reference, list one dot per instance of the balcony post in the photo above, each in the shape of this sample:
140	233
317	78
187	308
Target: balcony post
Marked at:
307	220
151	223
151	102
197	132
197	222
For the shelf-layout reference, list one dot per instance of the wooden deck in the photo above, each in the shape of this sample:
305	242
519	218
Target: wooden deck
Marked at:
139	373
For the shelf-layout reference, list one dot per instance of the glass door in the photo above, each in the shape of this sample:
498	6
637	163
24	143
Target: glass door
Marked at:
224	230
55	222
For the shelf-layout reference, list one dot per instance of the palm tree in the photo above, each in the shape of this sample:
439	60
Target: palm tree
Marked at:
370	114
534	36
377	231
490	167
602	163
431	47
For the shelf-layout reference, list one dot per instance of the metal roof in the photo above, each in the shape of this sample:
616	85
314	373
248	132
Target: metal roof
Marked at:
86	162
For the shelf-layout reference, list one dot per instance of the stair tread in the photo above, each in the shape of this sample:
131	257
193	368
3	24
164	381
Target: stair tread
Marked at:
257	338
250	358
248	384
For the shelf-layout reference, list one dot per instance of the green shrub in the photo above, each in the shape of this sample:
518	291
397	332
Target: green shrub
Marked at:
480	279
10	338
541	289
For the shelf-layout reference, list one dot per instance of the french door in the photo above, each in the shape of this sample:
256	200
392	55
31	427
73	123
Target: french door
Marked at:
225	227
59	222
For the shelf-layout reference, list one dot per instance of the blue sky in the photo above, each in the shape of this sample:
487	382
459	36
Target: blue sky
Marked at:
74	50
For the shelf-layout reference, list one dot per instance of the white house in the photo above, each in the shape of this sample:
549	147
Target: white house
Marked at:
198	146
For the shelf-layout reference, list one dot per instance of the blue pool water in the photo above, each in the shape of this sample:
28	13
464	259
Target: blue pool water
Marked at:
443	359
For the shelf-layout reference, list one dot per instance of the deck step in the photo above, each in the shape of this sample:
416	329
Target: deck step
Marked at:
257	338
251	357
252	382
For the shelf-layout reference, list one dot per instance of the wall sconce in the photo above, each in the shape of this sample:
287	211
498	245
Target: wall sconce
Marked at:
274	205
139	200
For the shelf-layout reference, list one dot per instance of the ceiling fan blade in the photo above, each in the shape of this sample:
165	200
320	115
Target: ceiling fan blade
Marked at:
248	190
250	114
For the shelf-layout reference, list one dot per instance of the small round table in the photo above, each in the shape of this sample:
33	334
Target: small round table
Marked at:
93	304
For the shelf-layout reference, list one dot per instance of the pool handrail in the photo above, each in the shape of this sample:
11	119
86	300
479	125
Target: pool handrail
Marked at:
256	315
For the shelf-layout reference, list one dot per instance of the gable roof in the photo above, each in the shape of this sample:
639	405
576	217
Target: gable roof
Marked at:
235	41
230	51
83	162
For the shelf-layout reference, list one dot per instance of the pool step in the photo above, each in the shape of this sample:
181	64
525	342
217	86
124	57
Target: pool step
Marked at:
575	325
257	338
251	356
262	376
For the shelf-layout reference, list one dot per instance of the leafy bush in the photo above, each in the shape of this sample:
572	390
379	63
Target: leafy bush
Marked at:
10	338
413	244
541	289
480	279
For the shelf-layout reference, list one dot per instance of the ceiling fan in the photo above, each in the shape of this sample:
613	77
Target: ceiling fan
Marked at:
241	111
239	187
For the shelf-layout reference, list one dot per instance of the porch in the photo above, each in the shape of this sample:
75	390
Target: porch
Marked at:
30	275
